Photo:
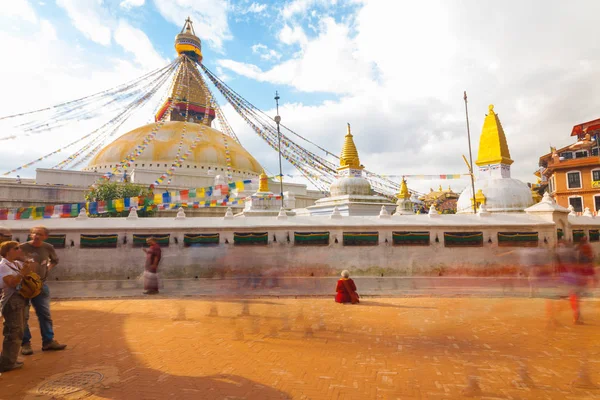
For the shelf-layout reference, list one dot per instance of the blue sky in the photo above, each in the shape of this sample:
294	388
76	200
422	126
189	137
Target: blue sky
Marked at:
395	70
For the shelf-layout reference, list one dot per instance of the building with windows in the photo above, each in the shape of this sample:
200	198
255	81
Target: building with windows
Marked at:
572	173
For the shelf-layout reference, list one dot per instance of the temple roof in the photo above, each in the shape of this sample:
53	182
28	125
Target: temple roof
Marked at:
586	127
349	157
493	148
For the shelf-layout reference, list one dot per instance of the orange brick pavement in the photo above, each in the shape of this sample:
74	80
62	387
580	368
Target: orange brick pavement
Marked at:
419	348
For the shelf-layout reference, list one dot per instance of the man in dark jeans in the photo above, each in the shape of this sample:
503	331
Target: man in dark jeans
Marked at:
44	258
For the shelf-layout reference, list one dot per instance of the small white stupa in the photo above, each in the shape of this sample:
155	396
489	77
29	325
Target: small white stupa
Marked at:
494	187
351	191
263	202
404	203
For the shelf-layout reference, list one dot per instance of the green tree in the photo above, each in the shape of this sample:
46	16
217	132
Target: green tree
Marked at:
112	190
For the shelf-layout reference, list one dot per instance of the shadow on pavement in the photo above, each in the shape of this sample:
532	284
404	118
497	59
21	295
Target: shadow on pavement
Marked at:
100	340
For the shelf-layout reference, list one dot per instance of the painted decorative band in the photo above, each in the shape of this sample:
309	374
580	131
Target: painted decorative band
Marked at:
406	238
518	239
139	239
311	238
463	239
98	241
251	238
200	239
361	238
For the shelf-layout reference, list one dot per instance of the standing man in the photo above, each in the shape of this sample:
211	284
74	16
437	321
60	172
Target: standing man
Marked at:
44	258
153	255
12	304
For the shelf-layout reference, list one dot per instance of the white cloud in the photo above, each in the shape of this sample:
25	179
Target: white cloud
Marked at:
327	63
136	42
209	18
256	8
129	4
65	72
296	7
291	35
89	18
20	9
402	68
265	53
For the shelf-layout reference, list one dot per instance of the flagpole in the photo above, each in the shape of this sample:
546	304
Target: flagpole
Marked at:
470	156
277	121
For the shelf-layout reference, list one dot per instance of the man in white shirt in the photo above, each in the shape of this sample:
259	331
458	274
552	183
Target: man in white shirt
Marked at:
12	304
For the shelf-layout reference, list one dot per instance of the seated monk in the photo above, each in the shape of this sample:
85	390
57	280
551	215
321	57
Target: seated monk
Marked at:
346	289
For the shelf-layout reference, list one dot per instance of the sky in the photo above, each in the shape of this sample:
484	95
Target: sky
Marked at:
395	71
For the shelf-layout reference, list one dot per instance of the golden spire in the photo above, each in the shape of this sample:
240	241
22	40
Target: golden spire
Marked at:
349	156
493	148
186	42
440	189
263	183
189	92
404	193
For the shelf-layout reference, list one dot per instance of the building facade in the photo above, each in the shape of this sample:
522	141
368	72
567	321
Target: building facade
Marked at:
572	173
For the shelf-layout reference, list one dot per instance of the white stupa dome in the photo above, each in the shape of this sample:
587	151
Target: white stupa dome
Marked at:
501	195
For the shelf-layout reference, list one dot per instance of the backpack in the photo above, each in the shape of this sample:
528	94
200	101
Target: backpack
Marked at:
31	284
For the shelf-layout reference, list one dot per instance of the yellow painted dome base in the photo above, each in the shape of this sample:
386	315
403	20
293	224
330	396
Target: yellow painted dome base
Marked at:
161	152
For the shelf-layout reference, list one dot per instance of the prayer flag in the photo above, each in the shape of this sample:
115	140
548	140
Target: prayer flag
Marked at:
192	194
101	207
110	206
166	198
217	192
3	214
119	205
209	191
74	210
93	208
184	195
25	212
127	203
158	198
48	211
213	203
239	186
200	193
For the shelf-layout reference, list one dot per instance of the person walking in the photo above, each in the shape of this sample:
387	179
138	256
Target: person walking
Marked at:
153	256
12	304
43	259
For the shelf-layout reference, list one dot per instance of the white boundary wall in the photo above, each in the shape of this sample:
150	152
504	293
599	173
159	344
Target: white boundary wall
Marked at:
285	257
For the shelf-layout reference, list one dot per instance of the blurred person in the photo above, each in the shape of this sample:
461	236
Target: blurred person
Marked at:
43	259
346	289
12	304
153	256
582	272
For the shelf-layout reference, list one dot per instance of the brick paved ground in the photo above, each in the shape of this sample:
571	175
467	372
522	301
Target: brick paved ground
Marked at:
420	348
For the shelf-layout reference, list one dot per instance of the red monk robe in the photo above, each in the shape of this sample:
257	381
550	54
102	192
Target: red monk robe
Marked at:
346	291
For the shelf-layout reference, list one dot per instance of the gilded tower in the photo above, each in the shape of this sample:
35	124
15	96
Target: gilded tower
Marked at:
493	157
194	98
